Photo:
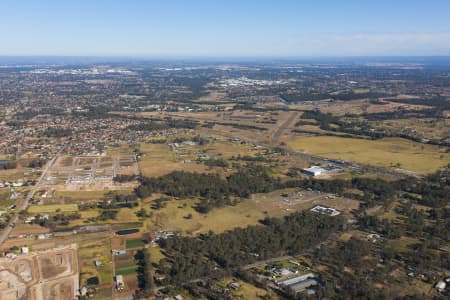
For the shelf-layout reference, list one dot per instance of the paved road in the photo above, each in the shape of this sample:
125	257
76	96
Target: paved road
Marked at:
6	232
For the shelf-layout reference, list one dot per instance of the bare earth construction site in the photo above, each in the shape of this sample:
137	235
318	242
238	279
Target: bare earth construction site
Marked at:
97	172
51	274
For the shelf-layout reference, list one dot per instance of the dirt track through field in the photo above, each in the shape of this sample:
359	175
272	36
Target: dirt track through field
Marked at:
279	132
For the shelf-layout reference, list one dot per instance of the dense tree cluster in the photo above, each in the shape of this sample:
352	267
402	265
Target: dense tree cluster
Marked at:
213	190
124	178
8	165
220	254
241	126
363	129
36	163
58	219
164	125
218	162
145	274
119	200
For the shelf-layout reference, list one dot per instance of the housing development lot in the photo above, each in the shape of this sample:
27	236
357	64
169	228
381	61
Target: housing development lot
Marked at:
51	274
94	171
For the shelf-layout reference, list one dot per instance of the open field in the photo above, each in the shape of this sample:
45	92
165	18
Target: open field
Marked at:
5	201
246	290
12	174
159	160
227	149
358	106
80	196
388	152
37	209
424	127
179	215
86	196
96	250
23	228
155	254
174	217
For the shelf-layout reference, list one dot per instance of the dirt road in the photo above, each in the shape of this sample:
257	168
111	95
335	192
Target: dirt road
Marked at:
279	132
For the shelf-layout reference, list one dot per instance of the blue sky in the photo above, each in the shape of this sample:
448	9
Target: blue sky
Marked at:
225	28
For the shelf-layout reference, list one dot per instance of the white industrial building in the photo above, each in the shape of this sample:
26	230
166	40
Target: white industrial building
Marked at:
314	171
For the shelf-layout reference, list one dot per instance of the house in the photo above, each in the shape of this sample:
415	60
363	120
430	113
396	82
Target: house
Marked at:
440	286
29	219
83	291
326	210
11	255
98	263
234	285
119	282
314	171
119	252
24	250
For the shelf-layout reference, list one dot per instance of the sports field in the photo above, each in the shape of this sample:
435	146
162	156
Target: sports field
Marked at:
388	152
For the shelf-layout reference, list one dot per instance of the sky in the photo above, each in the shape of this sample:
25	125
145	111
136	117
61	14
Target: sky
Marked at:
225	28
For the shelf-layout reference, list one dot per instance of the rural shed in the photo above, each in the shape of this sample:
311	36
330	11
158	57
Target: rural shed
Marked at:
314	171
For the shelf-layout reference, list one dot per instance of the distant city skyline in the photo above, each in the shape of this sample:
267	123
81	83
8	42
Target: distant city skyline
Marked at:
221	28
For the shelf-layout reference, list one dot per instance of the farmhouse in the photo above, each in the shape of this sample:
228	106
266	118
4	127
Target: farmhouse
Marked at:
119	252
119	282
326	210
314	171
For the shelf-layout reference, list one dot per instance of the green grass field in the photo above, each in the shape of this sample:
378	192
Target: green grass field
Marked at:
386	152
37	209
134	243
127	270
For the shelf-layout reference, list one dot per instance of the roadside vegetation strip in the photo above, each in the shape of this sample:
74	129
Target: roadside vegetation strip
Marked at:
51	208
